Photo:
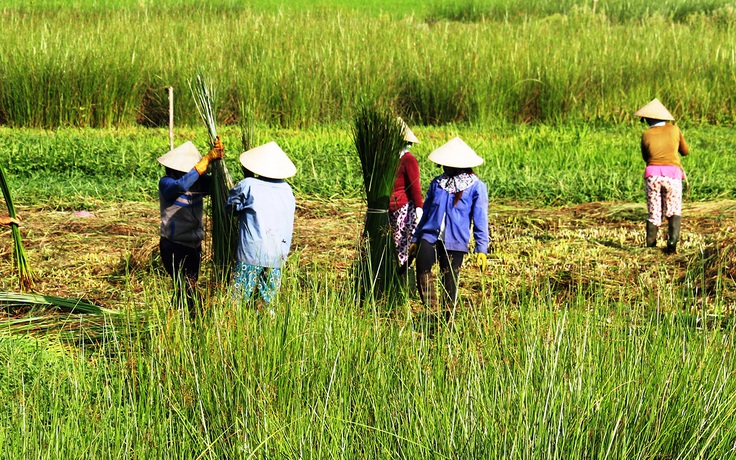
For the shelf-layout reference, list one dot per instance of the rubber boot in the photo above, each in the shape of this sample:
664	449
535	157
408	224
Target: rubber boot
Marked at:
673	227
651	235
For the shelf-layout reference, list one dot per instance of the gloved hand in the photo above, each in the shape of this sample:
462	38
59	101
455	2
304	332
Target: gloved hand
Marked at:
481	260
218	151
413	249
203	164
419	212
9	220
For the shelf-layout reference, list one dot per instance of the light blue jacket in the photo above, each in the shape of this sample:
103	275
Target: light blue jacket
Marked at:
471	209
266	210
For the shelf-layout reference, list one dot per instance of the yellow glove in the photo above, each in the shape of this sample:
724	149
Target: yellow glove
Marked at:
217	152
481	260
203	164
413	249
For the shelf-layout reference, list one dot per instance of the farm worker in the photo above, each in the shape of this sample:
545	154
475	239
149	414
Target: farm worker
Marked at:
265	205
405	203
7	220
661	147
181	193
456	200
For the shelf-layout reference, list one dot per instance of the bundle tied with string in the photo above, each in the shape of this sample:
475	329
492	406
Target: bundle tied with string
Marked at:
378	140
25	275
224	225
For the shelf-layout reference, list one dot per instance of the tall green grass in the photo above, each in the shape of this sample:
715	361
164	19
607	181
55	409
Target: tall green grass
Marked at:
618	11
300	67
520	376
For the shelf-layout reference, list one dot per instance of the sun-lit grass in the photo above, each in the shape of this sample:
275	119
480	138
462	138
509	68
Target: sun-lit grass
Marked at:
72	169
519	376
299	67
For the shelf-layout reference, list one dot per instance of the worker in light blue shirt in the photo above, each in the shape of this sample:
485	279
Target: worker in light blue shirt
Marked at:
456	201
265	205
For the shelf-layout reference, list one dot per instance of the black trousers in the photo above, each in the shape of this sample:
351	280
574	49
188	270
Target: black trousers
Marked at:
450	262
182	264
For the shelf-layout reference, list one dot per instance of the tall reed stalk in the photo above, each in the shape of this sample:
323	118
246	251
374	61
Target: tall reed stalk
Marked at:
25	274
378	140
224	225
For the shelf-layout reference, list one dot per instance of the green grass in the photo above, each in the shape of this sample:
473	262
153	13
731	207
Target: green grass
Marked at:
309	66
519	377
571	164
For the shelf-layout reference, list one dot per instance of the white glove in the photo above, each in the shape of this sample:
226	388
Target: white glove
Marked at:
419	212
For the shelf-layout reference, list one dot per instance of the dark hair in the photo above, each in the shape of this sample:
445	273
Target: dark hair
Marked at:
247	172
174	173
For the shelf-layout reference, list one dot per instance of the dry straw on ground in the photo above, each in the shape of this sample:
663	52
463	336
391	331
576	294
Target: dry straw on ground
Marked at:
108	258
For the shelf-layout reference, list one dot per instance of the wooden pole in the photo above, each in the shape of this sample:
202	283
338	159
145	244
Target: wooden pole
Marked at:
171	118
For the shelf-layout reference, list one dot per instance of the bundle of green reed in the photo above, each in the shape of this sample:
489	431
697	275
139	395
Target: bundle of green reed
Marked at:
25	275
224	225
378	139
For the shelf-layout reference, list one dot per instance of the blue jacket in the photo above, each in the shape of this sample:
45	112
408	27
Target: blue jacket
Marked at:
471	209
180	201
266	208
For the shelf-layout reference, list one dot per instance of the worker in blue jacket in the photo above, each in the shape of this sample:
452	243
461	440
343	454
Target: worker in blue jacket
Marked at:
181	192
456	201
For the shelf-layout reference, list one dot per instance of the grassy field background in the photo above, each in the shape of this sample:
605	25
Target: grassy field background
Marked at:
576	343
105	65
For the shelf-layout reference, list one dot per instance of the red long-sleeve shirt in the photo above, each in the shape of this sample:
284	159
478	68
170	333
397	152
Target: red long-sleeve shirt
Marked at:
407	186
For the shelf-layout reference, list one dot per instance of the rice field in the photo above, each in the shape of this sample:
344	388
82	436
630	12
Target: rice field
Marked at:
577	342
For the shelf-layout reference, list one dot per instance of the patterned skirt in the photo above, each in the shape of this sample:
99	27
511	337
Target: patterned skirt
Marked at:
403	223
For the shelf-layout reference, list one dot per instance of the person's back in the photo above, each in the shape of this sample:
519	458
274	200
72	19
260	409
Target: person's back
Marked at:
663	145
266	207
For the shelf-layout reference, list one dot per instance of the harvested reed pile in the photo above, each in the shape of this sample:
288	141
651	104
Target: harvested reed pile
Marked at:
378	140
224	225
25	275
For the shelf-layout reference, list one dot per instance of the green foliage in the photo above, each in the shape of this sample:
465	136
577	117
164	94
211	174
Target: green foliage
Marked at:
298	67
518	377
618	11
569	164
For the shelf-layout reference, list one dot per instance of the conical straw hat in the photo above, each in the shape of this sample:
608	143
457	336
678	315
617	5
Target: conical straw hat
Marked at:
654	110
268	160
456	154
408	134
182	158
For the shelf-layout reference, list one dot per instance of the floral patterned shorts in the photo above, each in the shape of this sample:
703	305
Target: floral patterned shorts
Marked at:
246	277
664	195
403	223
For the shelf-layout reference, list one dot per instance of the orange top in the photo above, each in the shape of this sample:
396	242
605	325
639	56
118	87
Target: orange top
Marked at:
660	145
